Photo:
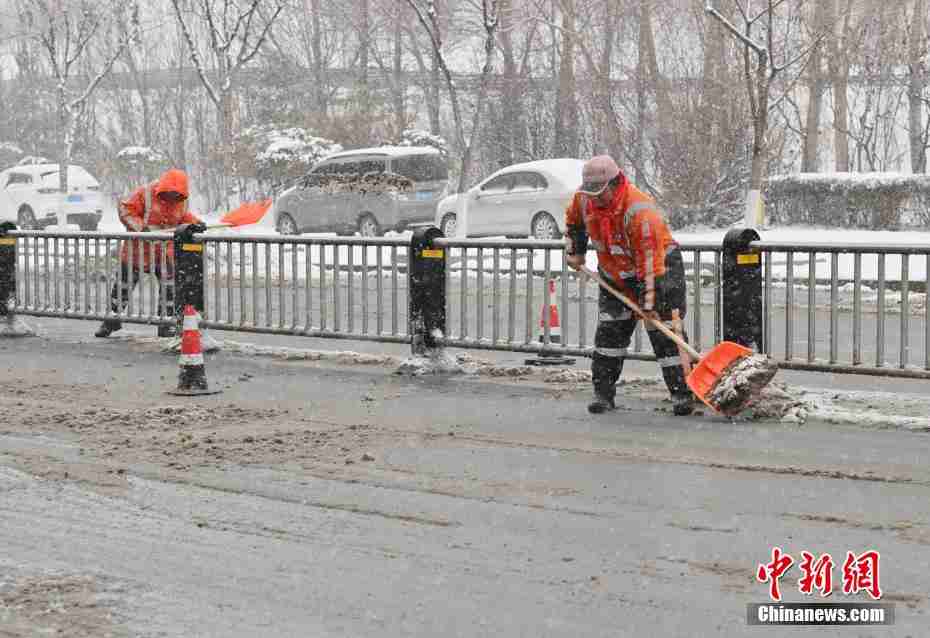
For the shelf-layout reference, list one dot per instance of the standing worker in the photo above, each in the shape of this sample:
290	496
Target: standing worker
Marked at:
638	256
160	205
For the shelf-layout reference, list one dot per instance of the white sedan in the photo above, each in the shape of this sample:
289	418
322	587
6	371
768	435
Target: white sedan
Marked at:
522	200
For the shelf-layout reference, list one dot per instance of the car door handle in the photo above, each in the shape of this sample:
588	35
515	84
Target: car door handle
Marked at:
498	201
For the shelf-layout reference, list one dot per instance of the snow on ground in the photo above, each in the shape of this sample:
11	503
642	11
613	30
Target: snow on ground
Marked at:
778	402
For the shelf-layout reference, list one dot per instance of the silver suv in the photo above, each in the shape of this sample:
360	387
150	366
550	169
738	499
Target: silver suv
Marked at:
367	190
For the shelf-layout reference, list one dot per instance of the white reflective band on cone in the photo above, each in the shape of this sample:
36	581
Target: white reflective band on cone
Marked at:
191	359
190	322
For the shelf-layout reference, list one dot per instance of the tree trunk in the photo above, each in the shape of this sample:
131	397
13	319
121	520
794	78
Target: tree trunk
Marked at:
607	136
432	97
760	126
319	76
916	84
809	160
363	95
399	88
509	128
713	82
565	143
664	110
838	62
639	151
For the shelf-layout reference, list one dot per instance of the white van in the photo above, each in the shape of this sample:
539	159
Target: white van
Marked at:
368	190
29	197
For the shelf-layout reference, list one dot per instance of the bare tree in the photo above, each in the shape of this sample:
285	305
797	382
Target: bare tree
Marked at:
429	19
78	34
235	33
565	143
918	64
817	85
760	78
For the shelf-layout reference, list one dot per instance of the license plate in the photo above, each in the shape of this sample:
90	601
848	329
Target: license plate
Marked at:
75	198
424	194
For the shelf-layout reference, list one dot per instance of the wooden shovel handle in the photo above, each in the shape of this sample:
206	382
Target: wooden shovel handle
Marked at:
632	305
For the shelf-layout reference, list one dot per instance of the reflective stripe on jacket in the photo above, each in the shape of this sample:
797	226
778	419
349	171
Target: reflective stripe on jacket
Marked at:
629	234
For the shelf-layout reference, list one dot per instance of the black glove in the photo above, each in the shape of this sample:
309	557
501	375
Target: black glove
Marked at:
186	232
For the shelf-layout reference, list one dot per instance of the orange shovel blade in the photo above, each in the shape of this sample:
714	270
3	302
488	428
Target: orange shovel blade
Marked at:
706	373
247	213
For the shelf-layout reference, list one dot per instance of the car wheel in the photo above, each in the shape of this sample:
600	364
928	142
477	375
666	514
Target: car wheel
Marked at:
26	219
368	226
286	225
544	227
447	225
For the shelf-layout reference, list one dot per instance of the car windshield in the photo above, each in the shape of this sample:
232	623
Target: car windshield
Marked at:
422	168
77	176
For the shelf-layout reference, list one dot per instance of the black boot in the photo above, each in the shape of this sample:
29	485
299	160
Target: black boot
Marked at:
683	404
604	373
167	331
601	404
108	327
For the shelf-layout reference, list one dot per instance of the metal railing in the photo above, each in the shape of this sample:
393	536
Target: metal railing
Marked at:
497	294
72	275
838	308
338	287
827	307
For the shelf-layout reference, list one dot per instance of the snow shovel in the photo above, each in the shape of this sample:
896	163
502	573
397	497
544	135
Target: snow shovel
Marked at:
727	379
245	214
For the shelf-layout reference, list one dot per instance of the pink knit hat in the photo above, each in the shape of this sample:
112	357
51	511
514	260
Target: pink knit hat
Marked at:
597	172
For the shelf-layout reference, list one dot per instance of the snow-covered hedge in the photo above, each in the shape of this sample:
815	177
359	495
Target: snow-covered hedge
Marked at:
272	154
140	154
419	137
879	201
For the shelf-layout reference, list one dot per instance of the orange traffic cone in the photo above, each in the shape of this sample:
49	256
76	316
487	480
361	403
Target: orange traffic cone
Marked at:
192	378
550	316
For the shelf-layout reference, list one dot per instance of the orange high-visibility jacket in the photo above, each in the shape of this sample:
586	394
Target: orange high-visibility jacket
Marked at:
144	209
630	236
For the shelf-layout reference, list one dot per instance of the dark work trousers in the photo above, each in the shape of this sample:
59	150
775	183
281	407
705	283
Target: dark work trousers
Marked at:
616	324
119	296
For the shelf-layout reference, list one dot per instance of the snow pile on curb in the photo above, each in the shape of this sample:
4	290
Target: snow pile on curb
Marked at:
435	361
296	354
776	402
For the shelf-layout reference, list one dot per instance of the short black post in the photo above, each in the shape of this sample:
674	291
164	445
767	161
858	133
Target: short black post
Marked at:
10	325
188	269
7	269
742	289
426	275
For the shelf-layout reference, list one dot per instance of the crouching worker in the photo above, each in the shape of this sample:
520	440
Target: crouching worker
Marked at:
158	206
637	255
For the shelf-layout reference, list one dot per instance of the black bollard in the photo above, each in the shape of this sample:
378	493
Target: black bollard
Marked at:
7	269
426	274
742	289
188	269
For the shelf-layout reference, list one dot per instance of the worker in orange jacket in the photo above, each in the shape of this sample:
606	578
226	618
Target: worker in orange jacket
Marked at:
158	206
638	256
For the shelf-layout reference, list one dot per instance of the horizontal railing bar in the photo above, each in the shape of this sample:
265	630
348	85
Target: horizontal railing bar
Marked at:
87	234
303	241
98	316
908	373
328	334
806	247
